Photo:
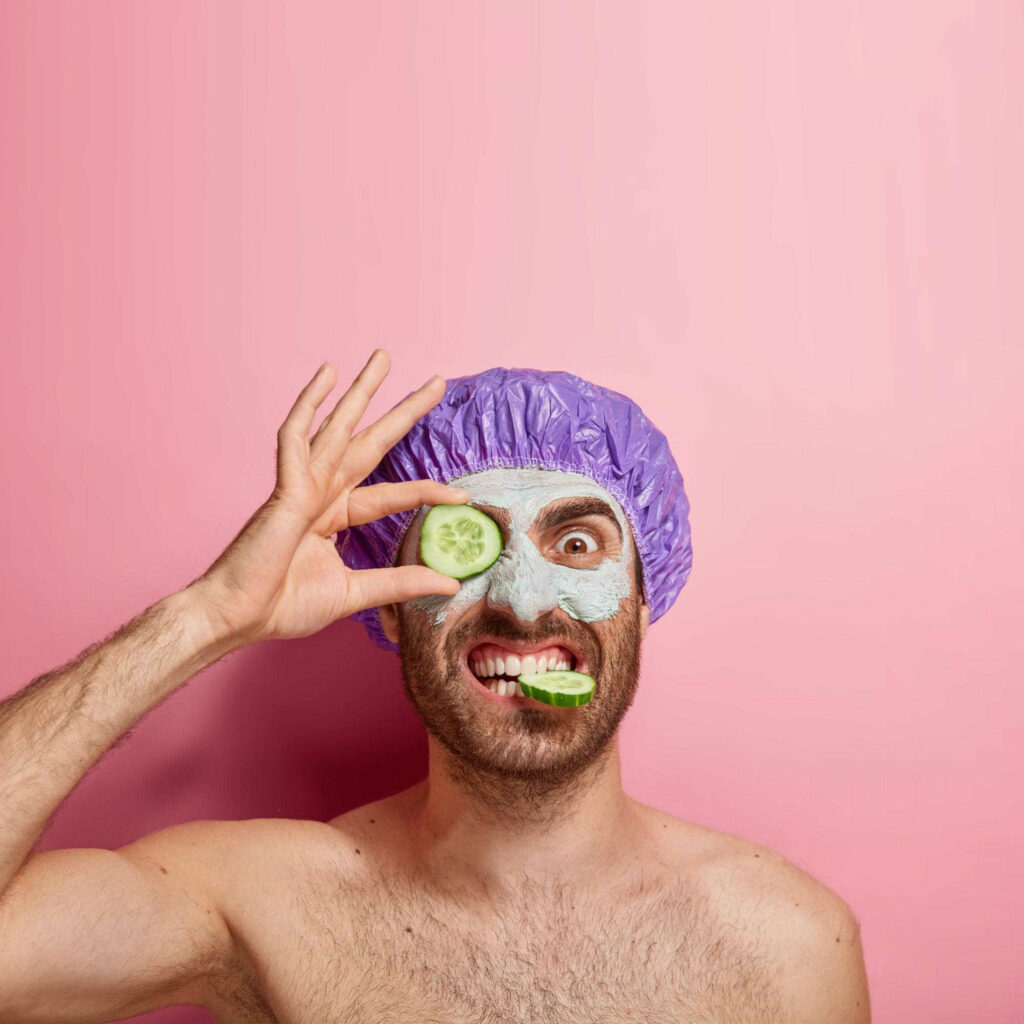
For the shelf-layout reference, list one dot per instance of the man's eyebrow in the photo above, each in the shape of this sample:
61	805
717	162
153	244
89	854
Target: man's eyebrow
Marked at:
577	508
572	508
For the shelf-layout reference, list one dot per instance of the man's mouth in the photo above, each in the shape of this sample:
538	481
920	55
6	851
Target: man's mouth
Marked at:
498	666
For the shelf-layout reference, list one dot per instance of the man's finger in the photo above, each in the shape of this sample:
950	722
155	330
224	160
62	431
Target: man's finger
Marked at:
332	437
369	446
371	588
299	420
365	504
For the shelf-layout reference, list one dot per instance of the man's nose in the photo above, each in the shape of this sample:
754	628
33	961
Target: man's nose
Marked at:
522	582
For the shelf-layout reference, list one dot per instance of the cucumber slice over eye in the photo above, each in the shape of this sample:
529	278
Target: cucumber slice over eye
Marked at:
561	688
459	540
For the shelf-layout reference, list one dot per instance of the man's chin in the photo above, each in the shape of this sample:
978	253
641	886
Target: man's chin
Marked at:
523	755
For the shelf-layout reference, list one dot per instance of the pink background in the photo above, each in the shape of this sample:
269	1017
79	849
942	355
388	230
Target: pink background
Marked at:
792	232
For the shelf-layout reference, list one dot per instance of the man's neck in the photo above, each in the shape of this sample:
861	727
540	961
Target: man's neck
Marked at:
481	836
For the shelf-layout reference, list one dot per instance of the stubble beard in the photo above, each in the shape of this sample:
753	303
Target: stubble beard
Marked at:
521	762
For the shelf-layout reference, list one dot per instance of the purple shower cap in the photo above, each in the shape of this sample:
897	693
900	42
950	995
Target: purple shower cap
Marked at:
517	418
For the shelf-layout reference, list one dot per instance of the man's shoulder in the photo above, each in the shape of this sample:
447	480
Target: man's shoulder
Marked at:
805	930
220	853
226	853
762	882
745	869
745	873
223	833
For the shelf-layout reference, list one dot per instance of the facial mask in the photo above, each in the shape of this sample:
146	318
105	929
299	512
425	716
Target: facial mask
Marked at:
522	578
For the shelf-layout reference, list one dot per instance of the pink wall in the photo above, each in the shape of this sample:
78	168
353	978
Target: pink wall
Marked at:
793	232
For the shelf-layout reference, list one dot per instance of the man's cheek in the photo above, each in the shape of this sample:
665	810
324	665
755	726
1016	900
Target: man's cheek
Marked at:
594	595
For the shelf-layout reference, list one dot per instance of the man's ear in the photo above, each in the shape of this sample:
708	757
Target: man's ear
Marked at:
388	614
645	612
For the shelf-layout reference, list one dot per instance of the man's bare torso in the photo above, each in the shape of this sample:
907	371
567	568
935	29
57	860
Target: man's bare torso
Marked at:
338	925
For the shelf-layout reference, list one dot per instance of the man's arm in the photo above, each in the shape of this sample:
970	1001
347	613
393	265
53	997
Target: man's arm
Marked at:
55	729
91	935
88	934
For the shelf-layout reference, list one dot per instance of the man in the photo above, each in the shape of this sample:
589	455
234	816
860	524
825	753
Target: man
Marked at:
517	882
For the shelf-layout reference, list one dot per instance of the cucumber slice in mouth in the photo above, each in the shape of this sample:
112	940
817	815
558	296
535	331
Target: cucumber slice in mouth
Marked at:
459	540
559	687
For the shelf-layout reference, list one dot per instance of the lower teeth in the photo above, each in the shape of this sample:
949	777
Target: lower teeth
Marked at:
510	688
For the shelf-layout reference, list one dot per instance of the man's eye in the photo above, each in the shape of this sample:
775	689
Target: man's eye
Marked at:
577	543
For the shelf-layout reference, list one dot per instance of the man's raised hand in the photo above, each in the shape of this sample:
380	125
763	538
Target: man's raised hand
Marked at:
282	576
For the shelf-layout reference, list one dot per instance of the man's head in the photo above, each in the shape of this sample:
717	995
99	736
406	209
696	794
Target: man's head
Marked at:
596	444
568	577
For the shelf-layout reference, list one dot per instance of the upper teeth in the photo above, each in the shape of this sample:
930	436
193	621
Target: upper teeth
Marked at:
491	662
513	665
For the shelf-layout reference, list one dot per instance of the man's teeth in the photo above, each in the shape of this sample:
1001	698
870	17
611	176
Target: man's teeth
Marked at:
513	665
506	688
486	669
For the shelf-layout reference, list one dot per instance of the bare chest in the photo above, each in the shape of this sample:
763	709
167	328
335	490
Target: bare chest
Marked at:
383	949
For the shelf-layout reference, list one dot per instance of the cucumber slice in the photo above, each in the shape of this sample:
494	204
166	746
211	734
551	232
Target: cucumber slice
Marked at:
560	687
459	540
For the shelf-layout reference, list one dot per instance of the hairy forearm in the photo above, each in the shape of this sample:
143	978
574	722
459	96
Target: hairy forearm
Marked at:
55	729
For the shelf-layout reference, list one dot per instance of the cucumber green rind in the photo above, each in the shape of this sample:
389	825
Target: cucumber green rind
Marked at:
459	540
559	688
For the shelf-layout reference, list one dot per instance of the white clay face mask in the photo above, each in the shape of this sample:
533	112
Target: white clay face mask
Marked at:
522	578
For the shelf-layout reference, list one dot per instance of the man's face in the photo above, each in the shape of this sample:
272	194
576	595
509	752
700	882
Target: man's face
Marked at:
565	577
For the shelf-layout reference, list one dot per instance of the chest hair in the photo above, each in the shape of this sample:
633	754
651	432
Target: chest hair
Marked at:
383	947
